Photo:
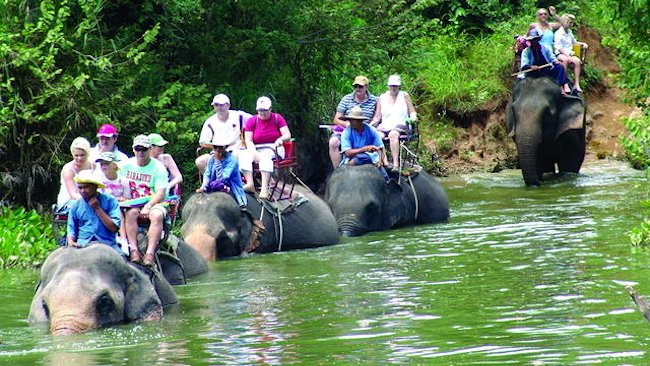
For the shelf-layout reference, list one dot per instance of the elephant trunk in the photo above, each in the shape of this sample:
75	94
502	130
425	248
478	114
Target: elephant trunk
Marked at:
529	166
348	225
204	244
69	323
529	140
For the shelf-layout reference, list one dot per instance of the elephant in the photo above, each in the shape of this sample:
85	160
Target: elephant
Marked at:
547	127
215	226
176	260
362	201
81	289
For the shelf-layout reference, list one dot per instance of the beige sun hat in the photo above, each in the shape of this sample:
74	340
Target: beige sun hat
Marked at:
87	176
356	113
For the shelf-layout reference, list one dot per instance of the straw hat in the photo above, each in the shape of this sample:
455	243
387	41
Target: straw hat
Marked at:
87	176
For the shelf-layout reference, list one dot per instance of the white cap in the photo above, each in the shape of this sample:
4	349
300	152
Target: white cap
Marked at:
394	80
263	103
220	99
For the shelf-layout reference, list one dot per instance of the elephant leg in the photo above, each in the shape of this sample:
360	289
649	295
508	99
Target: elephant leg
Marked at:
572	151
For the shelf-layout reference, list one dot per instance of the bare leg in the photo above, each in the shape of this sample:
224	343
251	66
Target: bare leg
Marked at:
153	234
393	137
577	64
335	153
264	190
132	233
250	185
201	163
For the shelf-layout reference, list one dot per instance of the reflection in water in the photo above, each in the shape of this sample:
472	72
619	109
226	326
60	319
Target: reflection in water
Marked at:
518	276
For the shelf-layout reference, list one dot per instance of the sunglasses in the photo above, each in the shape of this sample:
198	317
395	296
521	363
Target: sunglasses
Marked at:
141	148
359	86
542	13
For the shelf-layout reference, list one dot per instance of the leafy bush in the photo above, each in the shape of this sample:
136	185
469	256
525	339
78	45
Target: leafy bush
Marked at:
23	242
637	143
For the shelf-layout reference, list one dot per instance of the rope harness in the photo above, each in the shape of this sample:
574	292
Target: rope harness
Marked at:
277	211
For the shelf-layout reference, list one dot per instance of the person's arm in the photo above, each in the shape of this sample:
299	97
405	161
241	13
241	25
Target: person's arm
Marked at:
285	135
68	180
174	172
248	138
156	198
338	120
413	115
106	220
206	175
206	135
368	148
377	117
72	228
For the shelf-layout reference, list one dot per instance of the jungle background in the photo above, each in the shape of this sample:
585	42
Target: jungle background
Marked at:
153	66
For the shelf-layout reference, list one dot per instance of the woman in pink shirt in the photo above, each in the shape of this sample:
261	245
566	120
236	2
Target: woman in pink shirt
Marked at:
264	134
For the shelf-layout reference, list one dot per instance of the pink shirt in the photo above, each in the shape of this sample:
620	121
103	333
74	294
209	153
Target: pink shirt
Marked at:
265	131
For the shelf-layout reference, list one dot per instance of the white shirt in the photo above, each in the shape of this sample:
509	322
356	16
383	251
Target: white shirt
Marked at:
563	40
231	128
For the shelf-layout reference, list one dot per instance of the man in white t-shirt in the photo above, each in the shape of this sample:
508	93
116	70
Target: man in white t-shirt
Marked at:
224	122
147	178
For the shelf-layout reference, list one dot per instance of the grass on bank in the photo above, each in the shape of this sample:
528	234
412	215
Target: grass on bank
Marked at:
26	238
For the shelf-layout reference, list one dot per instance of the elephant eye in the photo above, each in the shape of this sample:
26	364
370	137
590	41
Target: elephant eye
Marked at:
46	309
104	304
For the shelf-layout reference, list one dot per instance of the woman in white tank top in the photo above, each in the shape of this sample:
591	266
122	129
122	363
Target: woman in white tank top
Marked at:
394	108
68	192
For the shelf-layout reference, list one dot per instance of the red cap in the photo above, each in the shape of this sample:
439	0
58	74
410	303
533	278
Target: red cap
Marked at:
107	130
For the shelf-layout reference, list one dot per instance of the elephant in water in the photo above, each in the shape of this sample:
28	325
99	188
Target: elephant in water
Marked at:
88	288
547	128
214	225
177	260
362	201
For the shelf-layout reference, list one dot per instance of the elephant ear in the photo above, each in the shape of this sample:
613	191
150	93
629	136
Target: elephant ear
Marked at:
571	114
141	302
37	312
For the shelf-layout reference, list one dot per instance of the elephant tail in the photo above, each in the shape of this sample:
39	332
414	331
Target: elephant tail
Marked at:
640	301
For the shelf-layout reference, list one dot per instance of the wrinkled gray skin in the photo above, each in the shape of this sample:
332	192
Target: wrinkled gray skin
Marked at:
187	263
216	228
547	128
81	289
362	201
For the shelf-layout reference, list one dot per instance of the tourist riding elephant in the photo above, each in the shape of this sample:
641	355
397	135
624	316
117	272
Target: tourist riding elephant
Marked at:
88	288
548	128
214	225
362	201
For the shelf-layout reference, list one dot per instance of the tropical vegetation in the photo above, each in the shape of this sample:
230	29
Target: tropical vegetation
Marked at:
68	66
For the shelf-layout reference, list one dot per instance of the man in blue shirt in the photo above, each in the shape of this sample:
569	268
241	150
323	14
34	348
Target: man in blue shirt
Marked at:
95	217
361	143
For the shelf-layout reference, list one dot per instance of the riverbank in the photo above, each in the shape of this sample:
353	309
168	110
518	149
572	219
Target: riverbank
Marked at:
483	144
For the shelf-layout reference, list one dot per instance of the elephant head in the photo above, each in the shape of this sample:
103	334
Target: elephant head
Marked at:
87	288
362	201
214	225
547	128
358	197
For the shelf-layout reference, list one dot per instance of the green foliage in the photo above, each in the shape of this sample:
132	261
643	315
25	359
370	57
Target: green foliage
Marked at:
624	24
23	242
462	76
640	236
637	142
